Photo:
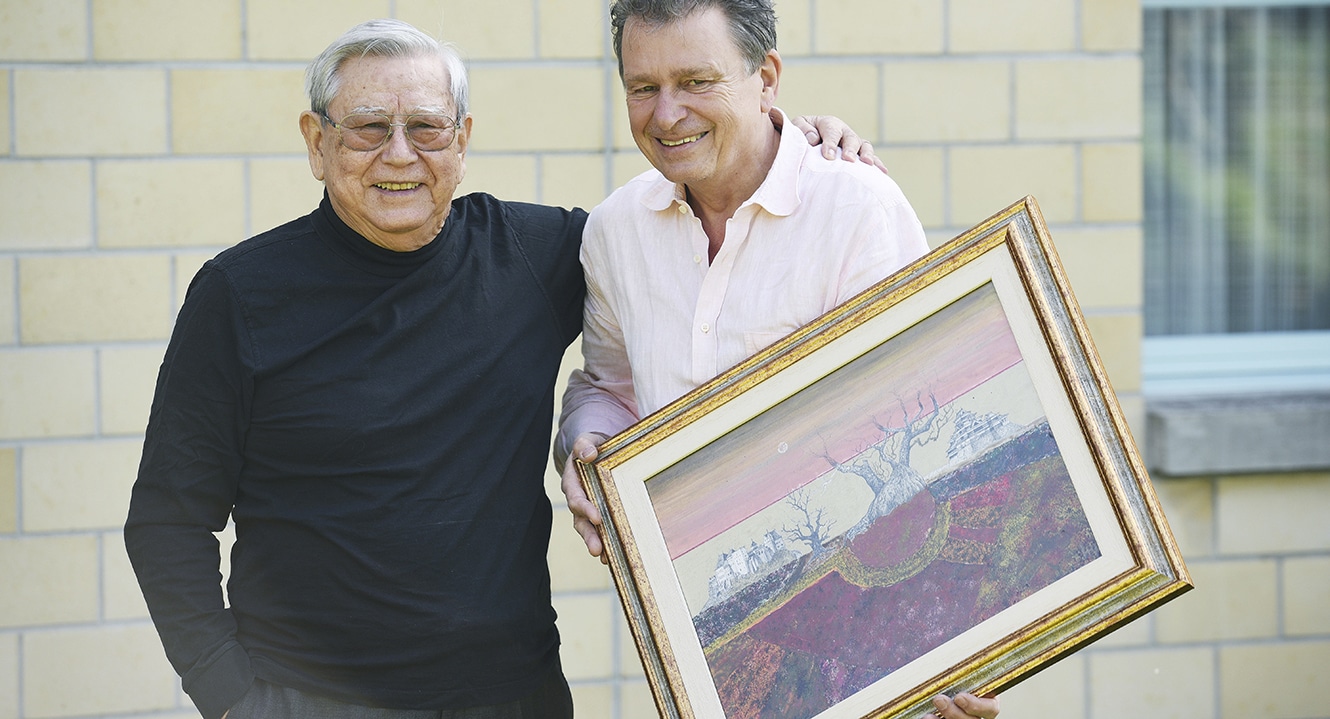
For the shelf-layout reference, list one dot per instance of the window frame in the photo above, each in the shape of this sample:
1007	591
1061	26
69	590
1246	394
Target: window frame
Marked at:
1200	389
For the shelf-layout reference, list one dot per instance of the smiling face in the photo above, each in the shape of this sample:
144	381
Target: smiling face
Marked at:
695	110
395	196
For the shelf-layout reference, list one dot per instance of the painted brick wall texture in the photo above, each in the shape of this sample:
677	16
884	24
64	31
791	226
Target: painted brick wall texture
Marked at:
137	139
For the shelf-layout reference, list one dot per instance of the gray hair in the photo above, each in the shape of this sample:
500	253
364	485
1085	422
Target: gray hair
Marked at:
381	38
752	23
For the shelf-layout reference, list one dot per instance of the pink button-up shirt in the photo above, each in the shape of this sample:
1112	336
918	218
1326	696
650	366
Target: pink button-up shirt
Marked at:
659	320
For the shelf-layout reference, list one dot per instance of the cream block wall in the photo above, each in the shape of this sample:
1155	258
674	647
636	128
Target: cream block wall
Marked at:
39	217
59	584
1162	683
151	203
233	111
1272	680
1305	586
1030	26
8	491
65	299
8	301
1110	175
129	107
975	108
1109	25
140	137
9	672
4	114
184	30
47	393
44	31
873	27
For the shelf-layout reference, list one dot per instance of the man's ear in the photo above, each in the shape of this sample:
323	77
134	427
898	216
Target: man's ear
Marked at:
311	127
463	140
770	74
464	136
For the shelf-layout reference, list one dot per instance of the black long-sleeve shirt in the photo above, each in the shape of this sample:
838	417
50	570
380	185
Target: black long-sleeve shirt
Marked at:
378	424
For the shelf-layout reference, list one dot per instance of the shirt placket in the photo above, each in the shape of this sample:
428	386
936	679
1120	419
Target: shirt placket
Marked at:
707	346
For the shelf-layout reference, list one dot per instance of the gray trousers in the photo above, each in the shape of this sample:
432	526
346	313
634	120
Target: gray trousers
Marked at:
551	700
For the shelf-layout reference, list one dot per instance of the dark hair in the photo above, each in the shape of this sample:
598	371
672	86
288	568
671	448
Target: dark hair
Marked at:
752	23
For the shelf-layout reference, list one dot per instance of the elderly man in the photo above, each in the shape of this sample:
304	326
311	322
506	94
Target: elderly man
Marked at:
367	391
735	239
337	383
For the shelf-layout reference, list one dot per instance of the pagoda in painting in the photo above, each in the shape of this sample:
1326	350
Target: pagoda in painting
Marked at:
975	433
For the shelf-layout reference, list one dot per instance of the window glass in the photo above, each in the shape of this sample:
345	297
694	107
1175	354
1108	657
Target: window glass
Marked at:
1237	169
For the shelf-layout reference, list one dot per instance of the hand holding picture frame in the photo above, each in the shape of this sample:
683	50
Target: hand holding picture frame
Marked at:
930	489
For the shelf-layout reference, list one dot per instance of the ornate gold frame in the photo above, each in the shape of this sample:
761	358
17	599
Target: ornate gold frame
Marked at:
1012	249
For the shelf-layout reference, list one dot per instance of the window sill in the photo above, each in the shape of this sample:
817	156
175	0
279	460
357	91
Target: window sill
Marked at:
1238	434
1237	403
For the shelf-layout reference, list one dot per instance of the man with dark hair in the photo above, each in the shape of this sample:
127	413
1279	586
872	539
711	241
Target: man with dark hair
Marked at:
367	391
735	239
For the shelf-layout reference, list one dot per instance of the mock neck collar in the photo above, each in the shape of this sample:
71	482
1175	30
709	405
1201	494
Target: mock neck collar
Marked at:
371	257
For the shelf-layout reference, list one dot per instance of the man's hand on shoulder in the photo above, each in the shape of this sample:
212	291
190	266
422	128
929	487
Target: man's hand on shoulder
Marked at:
831	133
586	518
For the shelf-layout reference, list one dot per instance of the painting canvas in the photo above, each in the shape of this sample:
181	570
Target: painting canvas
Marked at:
919	494
892	502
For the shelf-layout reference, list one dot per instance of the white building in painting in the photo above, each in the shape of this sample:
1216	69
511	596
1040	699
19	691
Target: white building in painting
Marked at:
741	566
976	433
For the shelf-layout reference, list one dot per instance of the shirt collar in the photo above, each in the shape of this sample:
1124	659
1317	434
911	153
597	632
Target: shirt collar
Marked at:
779	192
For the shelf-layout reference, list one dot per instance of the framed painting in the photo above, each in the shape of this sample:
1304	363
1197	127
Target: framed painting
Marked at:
930	489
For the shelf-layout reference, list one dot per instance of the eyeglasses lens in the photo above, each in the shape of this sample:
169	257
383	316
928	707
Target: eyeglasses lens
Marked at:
369	132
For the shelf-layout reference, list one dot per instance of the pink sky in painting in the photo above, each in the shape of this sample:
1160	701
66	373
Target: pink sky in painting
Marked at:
949	353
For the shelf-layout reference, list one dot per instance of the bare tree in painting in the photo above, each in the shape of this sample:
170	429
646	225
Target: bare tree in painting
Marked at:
887	471
919	426
814	530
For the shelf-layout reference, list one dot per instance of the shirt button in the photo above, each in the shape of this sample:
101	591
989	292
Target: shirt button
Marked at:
683	209
705	328
697	259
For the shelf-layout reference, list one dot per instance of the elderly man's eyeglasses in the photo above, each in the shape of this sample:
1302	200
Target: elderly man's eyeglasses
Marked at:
367	131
